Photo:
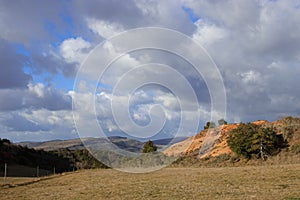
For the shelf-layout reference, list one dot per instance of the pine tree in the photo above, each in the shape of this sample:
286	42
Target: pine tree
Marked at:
149	147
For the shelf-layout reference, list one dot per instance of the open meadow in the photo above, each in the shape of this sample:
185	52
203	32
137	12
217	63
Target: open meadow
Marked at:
249	182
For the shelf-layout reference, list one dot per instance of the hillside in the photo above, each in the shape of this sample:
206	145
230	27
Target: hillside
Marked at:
212	142
99	143
76	144
23	159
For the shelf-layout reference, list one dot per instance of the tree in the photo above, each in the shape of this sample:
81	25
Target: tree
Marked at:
239	140
222	122
210	125
252	140
267	142
5	141
149	147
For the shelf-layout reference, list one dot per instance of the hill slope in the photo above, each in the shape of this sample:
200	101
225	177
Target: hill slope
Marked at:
212	142
99	143
76	144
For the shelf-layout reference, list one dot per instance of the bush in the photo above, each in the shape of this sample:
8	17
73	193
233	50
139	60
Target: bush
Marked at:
296	148
222	158
210	125
222	122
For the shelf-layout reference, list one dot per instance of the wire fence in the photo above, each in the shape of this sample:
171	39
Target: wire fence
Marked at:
9	171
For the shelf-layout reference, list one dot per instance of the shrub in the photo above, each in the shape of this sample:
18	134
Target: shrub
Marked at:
222	158
210	125
222	122
296	148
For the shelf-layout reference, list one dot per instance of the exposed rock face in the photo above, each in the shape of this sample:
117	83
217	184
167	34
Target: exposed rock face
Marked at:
213	142
210	142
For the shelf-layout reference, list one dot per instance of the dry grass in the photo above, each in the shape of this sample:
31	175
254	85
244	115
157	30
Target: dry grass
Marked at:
264	182
18	180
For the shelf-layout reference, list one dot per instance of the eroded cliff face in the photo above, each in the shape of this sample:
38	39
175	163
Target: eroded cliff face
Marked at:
210	142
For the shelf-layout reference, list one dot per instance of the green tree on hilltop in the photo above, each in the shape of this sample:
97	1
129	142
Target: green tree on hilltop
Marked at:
149	147
252	140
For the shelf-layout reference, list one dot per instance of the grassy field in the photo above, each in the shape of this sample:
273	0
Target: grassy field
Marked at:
264	182
18	180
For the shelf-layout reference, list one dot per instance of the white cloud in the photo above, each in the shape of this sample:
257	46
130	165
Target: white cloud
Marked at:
74	49
254	43
37	89
251	76
35	96
104	28
257	54
168	100
208	33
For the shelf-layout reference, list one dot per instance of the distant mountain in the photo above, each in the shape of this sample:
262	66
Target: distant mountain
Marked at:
93	143
53	144
169	141
99	143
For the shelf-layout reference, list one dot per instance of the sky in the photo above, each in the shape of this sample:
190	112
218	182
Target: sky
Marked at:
45	45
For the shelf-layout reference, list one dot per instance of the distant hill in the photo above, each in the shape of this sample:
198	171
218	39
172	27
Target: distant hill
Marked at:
76	144
26	158
24	161
169	141
99	143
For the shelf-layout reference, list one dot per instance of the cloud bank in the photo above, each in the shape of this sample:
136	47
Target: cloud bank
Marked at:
255	44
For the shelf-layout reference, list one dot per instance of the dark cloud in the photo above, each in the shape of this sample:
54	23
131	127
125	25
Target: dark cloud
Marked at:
39	26
254	43
32	21
136	14
19	123
52	63
11	66
34	97
124	12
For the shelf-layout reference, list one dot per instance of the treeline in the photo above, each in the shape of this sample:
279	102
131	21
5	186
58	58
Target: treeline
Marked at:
18	155
62	160
80	158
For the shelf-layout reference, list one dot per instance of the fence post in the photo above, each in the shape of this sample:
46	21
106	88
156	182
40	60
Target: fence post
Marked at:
37	171
54	170
5	172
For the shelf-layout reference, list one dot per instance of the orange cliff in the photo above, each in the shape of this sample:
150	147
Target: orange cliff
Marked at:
209	142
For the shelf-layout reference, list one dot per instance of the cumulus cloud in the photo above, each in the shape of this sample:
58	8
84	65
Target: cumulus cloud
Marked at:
36	96
249	40
37	125
116	15
74	50
255	45
208	33
104	29
19	123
